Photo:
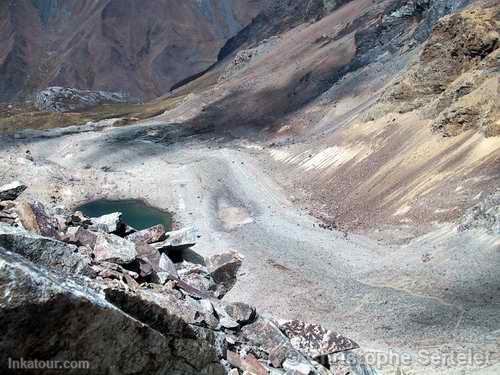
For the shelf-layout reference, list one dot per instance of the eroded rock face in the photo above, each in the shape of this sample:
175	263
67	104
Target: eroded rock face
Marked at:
133	40
65	320
43	250
454	77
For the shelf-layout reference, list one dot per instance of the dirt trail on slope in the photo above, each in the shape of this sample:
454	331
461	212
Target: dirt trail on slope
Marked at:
441	290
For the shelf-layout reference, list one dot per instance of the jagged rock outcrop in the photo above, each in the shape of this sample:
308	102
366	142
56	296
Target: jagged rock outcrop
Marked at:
43	250
61	99
98	303
484	215
68	321
454	77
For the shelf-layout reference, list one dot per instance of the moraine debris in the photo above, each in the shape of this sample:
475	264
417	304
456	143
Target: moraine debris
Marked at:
139	294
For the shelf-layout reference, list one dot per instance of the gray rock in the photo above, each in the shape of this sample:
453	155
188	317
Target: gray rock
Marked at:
314	340
60	99
80	237
149	235
350	363
196	275
46	251
483	215
223	268
225	321
179	239
111	223
159	307
11	191
78	219
111	248
265	333
241	312
68	321
112	272
149	259
166	265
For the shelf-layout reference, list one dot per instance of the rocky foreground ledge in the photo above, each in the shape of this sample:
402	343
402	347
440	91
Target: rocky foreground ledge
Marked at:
74	288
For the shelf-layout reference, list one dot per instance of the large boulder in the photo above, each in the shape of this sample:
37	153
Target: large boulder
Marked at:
241	312
148	259
11	191
34	218
223	268
178	239
111	248
265	334
160	307
46	251
110	223
196	275
45	316
149	235
167	266
80	237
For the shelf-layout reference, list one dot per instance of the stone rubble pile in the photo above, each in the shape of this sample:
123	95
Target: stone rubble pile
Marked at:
65	99
485	214
80	288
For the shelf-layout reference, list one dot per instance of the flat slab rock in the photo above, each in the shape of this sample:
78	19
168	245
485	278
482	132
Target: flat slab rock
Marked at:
46	251
149	235
66	320
178	239
314	340
111	248
110	223
11	191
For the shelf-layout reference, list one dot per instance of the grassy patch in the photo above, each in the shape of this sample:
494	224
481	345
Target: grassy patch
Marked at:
27	117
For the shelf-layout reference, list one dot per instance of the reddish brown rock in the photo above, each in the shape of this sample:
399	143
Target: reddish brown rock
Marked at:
34	218
223	268
149	235
247	363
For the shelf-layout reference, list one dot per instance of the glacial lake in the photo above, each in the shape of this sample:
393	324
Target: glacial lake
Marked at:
135	213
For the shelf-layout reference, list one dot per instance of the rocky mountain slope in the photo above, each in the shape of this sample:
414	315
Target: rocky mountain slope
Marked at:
356	102
131	46
350	150
95	283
